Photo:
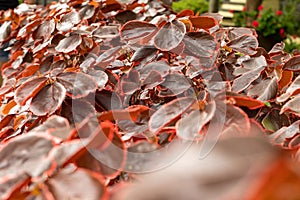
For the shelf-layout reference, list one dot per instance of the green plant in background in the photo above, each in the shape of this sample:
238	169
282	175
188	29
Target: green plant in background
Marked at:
291	8
240	18
267	22
279	25
271	23
199	6
291	44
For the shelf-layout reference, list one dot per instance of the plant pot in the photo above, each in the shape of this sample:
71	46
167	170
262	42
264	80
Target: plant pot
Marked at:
267	42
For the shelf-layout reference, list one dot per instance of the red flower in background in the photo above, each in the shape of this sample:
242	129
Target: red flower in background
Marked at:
244	8
260	7
255	23
231	11
282	33
279	13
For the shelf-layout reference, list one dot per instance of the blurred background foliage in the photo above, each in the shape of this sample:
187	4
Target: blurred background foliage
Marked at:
198	6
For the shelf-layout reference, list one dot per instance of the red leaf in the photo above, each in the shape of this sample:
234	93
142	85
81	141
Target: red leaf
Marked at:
174	84
161	66
170	36
292	105
136	30
69	44
201	45
169	113
203	22
24	31
108	100
111	5
106	32
293	89
5	110
152	80
52	123
16	156
286	78
230	121
185	13
125	16
48	100
68	21
44	30
295	142
108	56
242	82
143	52
245	44
189	127
5	31
100	77
131	113
108	159
265	90
68	152
292	64
79	184
13	184
87	11
5	121
246	101
285	133
131	82
77	84
29	89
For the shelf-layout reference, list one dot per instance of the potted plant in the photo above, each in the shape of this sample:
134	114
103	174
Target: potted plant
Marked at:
272	26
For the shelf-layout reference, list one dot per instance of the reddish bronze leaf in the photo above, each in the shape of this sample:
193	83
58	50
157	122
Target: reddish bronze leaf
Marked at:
245	44
5	31
285	133
265	90
134	31
161	66
108	159
174	84
202	45
185	13
293	64
189	127
17	155
87	11
246	101
242	82
203	22
293	89
131	113
44	30
292	105
130	82
48	100
170	36
77	84
29	89
68	21
77	183
12	184
286	79
69	44
169	113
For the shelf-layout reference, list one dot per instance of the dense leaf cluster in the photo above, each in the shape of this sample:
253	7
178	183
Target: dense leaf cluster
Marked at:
86	77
